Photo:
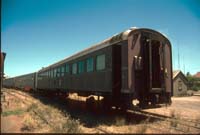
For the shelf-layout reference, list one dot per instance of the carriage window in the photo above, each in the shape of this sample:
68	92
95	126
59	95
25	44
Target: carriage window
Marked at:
43	74
90	64
80	67
74	68
67	68
100	65
63	71
180	85
54	72
58	72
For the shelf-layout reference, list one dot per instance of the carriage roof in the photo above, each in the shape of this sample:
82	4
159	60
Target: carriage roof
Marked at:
109	41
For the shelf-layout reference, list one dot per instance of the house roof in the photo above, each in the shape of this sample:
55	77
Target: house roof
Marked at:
197	75
176	73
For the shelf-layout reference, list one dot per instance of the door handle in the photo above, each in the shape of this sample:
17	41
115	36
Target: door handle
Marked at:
138	62
166	72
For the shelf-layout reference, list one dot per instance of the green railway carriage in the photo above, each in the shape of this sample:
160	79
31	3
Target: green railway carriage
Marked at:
134	64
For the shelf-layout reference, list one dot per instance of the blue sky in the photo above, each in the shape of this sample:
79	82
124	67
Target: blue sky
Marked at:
37	33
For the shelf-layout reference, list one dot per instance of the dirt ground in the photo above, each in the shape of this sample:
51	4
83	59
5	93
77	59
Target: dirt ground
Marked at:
45	115
187	107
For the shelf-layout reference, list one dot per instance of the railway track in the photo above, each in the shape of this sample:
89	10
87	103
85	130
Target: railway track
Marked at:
193	123
186	123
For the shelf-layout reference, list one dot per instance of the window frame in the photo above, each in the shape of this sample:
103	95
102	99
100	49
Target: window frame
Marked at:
55	72
101	63
62	71
52	73
88	64
81	67
74	73
180	85
58	71
67	68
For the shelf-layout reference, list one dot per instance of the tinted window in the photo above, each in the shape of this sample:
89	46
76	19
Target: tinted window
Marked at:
54	72
67	68
63	71
74	68
100	63
90	64
80	67
58	72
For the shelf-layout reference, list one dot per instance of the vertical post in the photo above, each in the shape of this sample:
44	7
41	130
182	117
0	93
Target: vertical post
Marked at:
150	65
3	55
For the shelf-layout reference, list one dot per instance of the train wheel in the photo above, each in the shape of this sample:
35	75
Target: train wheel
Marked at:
143	104
106	104
153	100
90	102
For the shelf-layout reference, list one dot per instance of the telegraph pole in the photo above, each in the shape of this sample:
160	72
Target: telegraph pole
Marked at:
178	58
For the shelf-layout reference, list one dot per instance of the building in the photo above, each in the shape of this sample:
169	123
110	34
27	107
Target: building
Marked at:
196	83
197	75
179	83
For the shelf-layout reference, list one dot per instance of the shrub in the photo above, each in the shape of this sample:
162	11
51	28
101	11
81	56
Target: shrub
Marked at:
70	126
32	107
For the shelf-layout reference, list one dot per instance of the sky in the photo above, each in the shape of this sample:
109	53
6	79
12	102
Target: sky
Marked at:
37	33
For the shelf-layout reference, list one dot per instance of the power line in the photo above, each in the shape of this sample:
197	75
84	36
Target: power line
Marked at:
178	57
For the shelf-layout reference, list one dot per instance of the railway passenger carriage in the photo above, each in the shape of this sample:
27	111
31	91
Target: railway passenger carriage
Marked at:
9	83
26	82
135	64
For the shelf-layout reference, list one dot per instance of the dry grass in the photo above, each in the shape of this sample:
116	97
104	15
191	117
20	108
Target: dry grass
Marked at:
29	124
32	107
47	115
143	127
176	116
13	112
120	121
197	120
69	126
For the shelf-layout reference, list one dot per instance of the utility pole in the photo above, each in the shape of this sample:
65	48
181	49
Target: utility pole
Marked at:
178	58
183	64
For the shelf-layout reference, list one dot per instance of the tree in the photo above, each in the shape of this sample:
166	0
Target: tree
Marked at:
193	83
188	74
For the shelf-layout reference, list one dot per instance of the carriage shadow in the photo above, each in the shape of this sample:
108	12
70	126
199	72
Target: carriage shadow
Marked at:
96	116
